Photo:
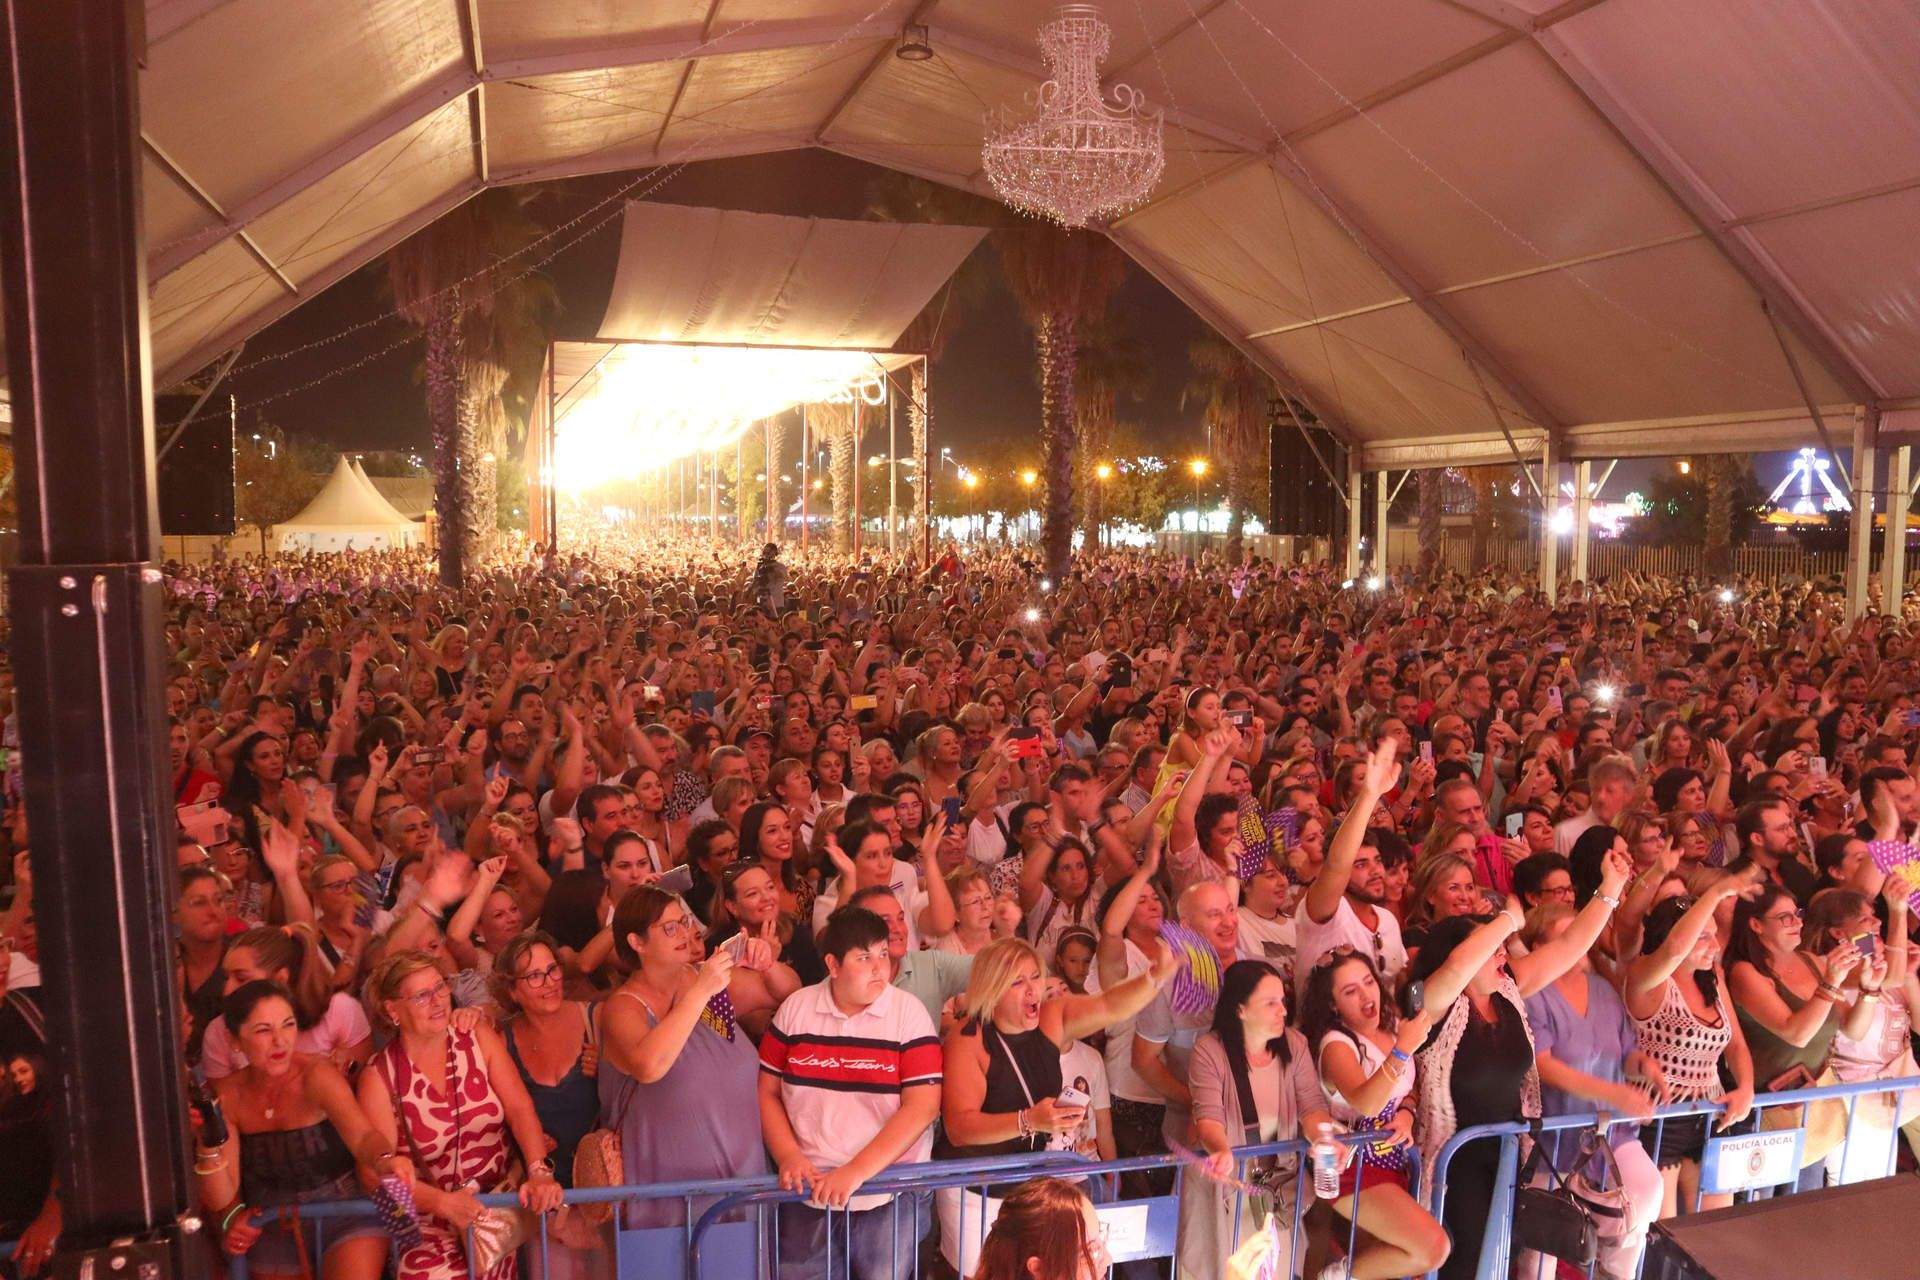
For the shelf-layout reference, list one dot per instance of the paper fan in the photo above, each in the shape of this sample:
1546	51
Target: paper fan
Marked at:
1196	984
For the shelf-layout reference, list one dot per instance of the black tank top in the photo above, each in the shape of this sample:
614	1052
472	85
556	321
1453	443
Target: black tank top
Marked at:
1031	1056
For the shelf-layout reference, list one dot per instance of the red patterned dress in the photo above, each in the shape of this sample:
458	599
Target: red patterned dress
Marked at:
457	1139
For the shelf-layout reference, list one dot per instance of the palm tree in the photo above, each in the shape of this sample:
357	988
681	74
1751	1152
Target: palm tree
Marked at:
1720	471
485	315
833	423
1433	485
1062	281
1112	367
1235	394
1482	480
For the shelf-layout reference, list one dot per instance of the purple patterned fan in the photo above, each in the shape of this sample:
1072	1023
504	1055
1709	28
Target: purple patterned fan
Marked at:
1196	984
719	1015
393	1200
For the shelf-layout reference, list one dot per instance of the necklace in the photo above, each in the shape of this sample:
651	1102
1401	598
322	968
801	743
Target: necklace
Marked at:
273	1097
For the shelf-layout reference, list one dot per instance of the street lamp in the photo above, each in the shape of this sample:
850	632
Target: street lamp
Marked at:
1029	477
1102	472
1199	468
972	482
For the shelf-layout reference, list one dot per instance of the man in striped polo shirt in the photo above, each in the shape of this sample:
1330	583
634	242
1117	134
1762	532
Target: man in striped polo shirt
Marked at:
850	1084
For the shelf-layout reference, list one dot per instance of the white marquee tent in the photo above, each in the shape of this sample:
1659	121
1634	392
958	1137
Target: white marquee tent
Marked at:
347	514
1456	228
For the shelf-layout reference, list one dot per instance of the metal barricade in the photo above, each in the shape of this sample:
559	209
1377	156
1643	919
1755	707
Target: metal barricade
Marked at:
1497	1243
737	1233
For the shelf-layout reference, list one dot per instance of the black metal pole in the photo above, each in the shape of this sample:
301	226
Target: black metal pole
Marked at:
87	613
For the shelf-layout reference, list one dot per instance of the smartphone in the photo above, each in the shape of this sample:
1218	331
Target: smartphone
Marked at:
1514	822
1072	1097
1426	751
1555	703
1240	717
1866	944
702	701
676	880
951	808
1817	766
431	755
736	946
1913	718
1024	743
1007	655
1415	999
650	692
862	702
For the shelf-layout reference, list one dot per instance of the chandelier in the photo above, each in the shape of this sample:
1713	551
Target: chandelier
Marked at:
1078	156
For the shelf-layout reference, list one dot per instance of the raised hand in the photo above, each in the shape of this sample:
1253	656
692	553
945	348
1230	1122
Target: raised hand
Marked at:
1381	772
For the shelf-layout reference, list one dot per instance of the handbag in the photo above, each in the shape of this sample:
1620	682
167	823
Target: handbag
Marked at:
1606	1200
1823	1119
1551	1219
599	1161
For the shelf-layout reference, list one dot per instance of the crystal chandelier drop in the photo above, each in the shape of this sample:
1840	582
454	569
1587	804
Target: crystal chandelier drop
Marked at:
1078	156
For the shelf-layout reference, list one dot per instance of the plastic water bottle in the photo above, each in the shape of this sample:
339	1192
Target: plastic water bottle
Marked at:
1325	1154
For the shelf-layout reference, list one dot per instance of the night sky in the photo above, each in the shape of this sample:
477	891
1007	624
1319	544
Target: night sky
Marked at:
983	385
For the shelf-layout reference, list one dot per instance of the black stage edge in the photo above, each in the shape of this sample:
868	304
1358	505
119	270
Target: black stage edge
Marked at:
86	629
1868	1231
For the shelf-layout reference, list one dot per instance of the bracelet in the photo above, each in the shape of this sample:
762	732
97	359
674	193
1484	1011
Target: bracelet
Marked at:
1613	904
226	1220
1026	1127
1827	990
219	1163
1869	995
1400	1054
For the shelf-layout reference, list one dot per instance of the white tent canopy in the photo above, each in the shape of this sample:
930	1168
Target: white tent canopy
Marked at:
392	512
346	515
1580	204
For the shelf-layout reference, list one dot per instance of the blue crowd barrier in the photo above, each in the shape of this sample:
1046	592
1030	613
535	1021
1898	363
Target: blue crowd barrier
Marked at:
717	1242
1496	1255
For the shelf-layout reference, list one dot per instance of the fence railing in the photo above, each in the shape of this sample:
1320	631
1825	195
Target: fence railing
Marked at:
732	1227
1497	1242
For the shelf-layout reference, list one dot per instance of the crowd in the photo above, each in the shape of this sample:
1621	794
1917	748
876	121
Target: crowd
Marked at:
684	866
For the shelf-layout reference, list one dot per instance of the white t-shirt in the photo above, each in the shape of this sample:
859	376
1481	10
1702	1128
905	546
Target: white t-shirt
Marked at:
1082	1068
987	834
343	1024
905	884
1124	1081
1312	940
1274	941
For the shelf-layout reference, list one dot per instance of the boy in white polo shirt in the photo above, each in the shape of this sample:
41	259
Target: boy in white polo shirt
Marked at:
849	1083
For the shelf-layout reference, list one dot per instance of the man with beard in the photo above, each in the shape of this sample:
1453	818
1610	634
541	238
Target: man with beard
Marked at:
1345	906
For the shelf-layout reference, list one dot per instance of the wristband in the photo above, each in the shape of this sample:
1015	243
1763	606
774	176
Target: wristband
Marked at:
1400	1054
226	1220
1827	991
1613	903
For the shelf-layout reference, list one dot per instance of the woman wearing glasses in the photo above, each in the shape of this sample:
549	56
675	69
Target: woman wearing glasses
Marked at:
678	1075
464	1110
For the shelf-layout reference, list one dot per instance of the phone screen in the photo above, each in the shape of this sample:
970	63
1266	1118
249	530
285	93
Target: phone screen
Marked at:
1514	822
951	807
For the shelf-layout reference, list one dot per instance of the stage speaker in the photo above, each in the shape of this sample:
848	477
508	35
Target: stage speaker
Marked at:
1301	500
1868	1231
195	491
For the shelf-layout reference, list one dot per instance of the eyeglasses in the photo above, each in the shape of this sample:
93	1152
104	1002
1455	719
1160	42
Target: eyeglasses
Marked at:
1781	917
433	995
540	977
336	886
673	928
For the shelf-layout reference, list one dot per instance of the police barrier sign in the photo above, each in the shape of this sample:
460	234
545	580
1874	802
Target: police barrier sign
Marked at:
1741	1162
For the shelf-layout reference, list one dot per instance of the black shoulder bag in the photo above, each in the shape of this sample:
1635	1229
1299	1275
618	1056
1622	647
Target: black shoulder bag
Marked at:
1551	1219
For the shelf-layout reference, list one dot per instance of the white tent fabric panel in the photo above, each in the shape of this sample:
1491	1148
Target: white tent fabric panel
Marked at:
1840	257
778	92
516	29
261	86
1808	101
929	109
569	117
1269	257
1681	333
1262	68
373	491
316	228
209	294
732	278
169	211
1496	168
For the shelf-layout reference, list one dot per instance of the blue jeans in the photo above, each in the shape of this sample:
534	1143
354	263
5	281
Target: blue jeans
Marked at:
865	1244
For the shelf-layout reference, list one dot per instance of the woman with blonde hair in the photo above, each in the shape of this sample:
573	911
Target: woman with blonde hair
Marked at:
331	1023
464	1110
333	883
1442	887
1001	1089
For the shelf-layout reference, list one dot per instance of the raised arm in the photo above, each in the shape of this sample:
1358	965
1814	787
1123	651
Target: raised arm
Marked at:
1324	894
1549	960
1083	1015
1112	953
1214	750
1478	947
1648	973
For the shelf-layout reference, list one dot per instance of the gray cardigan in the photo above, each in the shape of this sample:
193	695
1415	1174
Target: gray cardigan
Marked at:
1210	1077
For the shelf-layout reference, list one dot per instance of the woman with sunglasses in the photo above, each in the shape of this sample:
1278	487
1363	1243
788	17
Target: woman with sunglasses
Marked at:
465	1111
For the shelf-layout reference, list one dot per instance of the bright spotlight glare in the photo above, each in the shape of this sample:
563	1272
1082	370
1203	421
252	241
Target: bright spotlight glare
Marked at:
1046	584
1033	614
1603	695
1375	582
1726	595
